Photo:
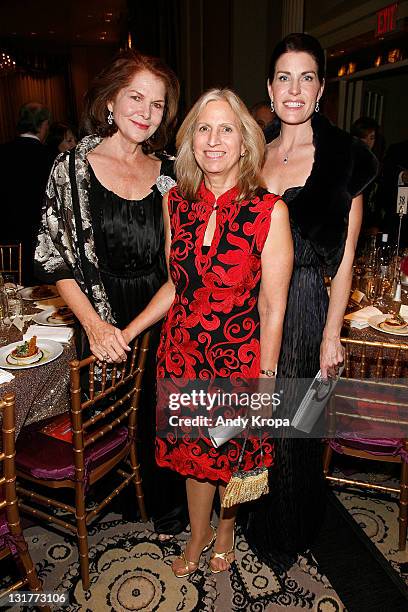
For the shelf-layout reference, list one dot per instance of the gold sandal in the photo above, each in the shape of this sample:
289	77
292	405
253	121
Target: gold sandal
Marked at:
224	556
187	569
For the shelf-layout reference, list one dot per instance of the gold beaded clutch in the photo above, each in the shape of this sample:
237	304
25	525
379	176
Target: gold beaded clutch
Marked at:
246	486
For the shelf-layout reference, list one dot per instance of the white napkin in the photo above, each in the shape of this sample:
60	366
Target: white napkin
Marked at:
19	321
359	318
5	377
44	332
404	311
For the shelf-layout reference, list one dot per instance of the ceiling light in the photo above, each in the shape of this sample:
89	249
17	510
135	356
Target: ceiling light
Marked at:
7	64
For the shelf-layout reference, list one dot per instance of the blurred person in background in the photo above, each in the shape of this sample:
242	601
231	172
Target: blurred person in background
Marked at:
102	234
24	171
367	131
261	112
394	171
61	137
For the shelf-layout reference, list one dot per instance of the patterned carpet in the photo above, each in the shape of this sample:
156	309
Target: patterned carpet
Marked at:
377	515
131	569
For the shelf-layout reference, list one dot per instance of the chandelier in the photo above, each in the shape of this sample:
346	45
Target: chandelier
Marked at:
7	64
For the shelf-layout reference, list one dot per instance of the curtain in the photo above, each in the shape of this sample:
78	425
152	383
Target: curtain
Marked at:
17	88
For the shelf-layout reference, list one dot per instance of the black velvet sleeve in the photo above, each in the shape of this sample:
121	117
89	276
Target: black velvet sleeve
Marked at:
343	167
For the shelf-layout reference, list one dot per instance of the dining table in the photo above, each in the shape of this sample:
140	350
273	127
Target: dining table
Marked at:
42	391
370	334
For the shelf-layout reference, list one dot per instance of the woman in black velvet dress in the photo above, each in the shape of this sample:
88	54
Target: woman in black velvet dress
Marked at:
319	170
105	247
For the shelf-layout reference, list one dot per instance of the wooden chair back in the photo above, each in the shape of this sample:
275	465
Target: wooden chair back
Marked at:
113	397
377	398
372	359
104	420
14	539
11	260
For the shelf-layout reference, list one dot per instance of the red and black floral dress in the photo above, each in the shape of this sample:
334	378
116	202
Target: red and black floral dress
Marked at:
211	331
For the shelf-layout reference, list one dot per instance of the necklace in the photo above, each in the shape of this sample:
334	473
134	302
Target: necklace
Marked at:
286	154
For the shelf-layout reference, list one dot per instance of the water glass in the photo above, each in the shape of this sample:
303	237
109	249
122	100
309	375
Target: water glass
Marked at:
370	287
15	306
3	316
10	282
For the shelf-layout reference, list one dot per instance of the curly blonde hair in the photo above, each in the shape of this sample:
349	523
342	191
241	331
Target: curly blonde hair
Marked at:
189	174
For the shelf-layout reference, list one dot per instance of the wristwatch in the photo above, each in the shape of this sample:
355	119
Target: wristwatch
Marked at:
269	373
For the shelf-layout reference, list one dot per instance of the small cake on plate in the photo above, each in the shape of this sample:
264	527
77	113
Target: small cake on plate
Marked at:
28	352
393	324
62	315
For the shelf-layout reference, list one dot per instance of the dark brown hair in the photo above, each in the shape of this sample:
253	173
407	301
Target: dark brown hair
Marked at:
363	126
117	75
299	42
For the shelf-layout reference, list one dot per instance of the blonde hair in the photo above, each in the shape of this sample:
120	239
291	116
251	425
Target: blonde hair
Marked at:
189	174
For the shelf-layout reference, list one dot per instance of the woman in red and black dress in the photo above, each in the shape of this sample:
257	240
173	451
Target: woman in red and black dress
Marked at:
229	252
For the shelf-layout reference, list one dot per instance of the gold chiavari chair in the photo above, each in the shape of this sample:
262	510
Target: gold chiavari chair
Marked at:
100	443
368	416
12	541
11	260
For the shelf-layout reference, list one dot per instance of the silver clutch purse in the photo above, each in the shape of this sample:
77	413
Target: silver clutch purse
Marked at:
224	433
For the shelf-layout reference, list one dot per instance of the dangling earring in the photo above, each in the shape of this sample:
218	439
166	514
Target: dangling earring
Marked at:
317	106
272	106
110	118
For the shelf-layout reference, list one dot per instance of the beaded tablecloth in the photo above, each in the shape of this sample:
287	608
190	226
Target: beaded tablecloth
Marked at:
43	391
372	335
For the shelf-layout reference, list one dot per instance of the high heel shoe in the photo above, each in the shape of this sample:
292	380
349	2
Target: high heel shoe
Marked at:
190	567
224	556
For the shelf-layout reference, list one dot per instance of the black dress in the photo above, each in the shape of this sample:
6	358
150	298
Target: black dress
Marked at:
287	521
129	244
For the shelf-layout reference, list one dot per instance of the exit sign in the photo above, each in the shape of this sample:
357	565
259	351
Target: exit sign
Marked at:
386	19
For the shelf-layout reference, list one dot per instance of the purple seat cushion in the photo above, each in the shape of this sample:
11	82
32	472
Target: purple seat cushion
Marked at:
6	539
379	437
43	456
375	446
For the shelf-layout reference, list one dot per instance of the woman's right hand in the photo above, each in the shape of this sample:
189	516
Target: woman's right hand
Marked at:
106	341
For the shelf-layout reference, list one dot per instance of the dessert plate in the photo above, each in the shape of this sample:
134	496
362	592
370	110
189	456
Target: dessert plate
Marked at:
48	351
375	323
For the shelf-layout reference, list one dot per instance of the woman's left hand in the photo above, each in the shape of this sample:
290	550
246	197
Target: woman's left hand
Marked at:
331	356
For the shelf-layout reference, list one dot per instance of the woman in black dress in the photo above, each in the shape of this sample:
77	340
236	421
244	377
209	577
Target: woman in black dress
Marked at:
319	170
102	236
